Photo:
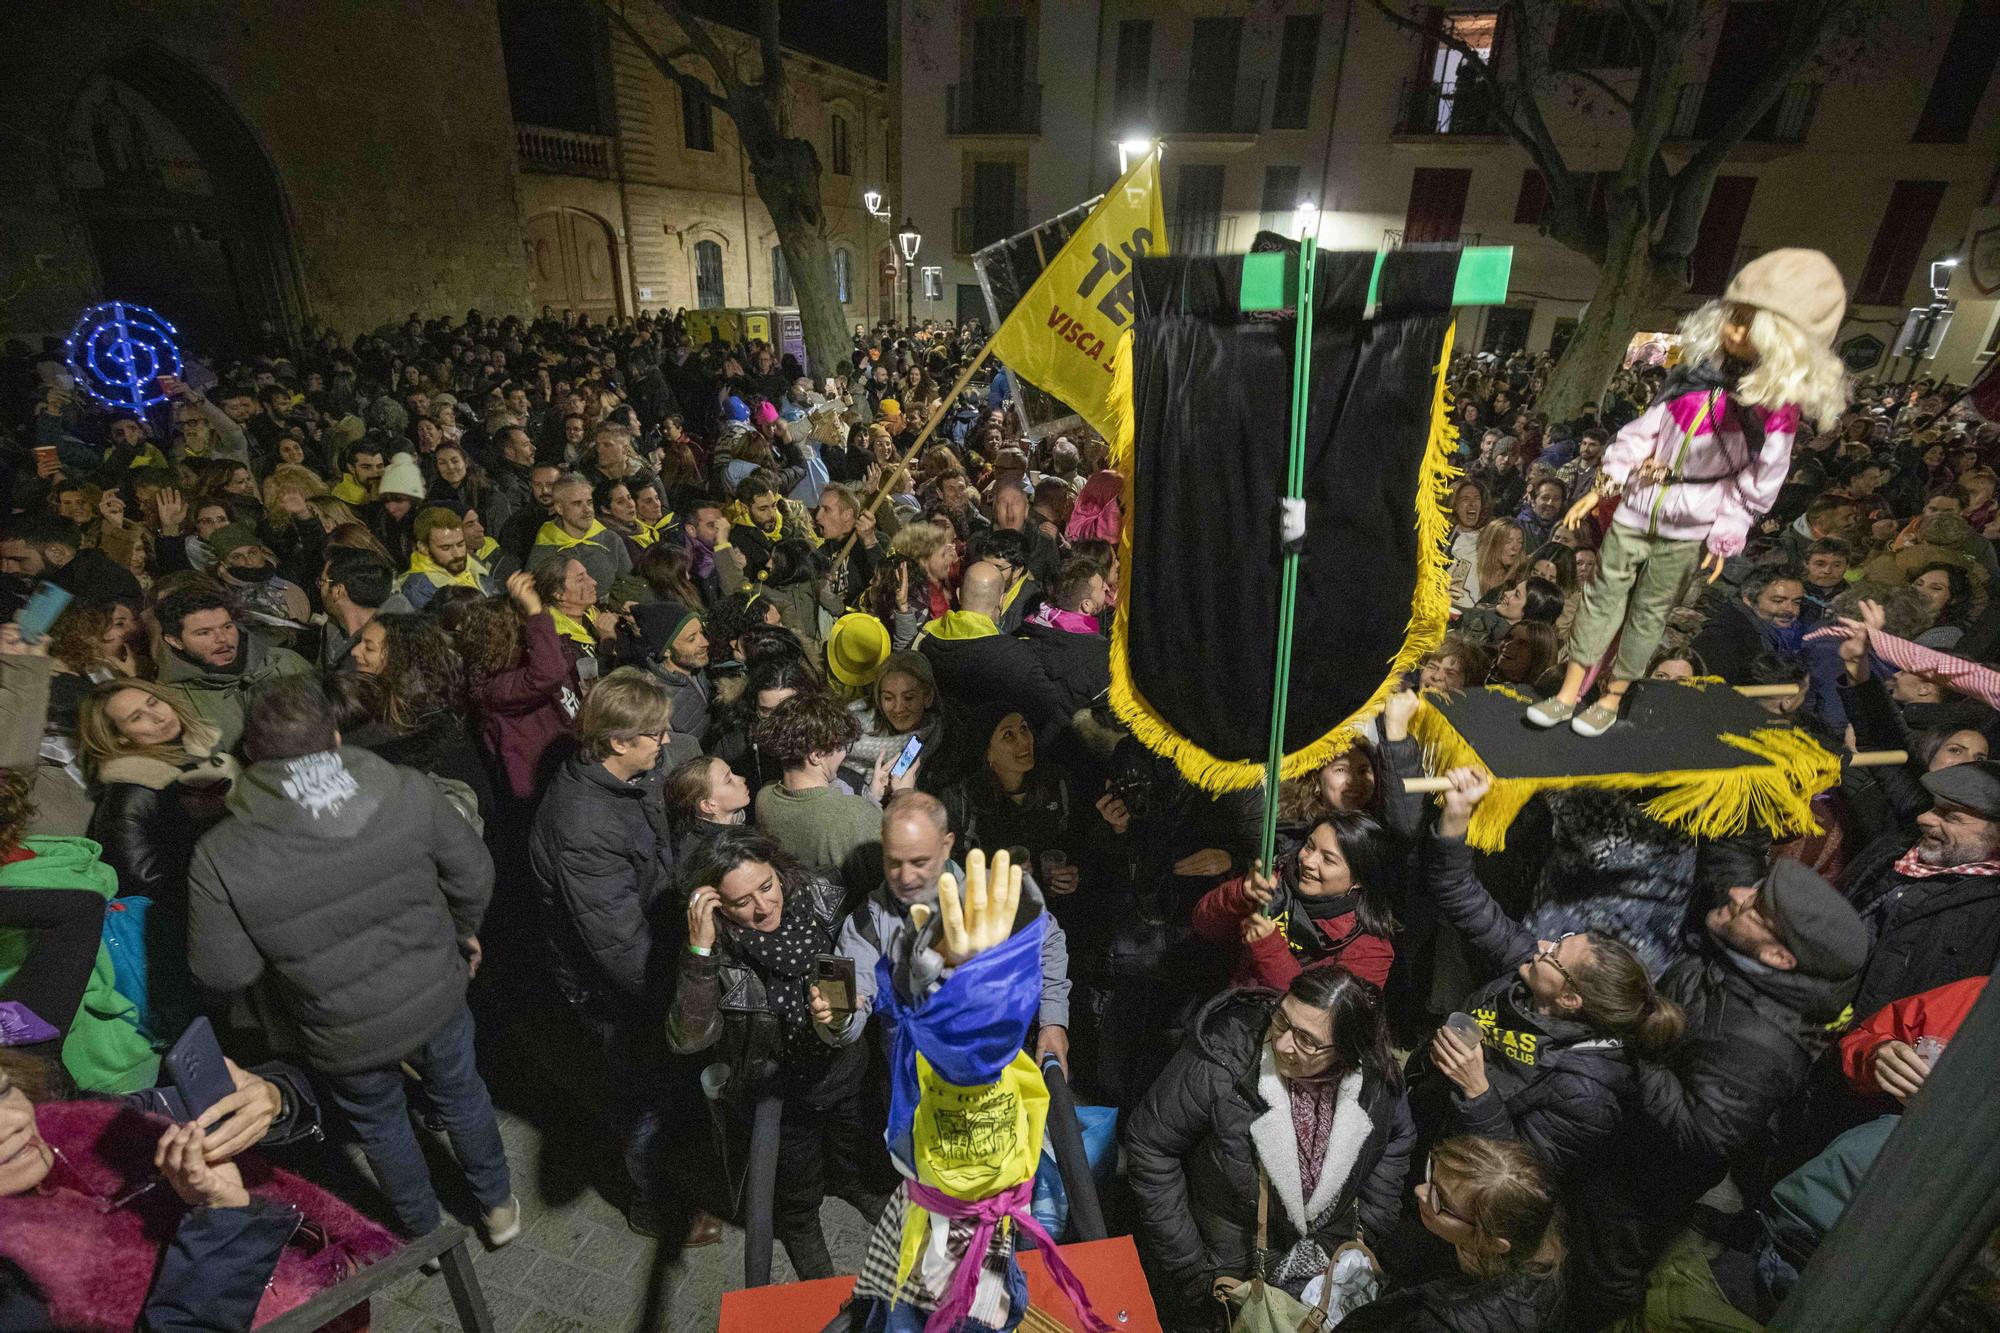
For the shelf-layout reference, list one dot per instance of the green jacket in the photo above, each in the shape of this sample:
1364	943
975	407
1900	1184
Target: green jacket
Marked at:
104	1051
218	695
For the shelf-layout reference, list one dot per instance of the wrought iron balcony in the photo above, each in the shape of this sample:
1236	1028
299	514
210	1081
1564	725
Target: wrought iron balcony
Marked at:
993	106
1445	109
563	152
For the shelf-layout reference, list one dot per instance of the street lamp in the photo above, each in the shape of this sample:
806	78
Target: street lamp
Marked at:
872	201
909	240
1134	147
1308	218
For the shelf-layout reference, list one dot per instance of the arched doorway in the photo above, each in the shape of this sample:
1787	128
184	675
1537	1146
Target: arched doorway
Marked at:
183	209
572	262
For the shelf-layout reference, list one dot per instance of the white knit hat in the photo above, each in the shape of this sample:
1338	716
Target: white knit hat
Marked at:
1801	285
402	477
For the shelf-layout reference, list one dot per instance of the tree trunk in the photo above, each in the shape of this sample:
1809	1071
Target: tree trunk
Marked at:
788	183
1626	284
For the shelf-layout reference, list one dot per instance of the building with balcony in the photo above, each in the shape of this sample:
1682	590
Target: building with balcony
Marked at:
1885	161
635	192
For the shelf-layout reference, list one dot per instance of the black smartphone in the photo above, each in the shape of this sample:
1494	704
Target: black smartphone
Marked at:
834	975
196	1068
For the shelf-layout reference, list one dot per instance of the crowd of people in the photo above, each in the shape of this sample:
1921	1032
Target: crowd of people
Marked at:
478	668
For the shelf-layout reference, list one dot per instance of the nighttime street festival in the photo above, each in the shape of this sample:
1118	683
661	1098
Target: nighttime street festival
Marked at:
956	666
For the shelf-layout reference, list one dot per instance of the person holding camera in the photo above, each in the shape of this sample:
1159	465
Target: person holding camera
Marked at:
758	923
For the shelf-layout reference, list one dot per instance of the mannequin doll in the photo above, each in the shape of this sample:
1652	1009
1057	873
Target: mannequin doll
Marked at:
1698	467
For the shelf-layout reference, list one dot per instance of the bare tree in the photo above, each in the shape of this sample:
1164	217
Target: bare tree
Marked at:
785	166
1643	235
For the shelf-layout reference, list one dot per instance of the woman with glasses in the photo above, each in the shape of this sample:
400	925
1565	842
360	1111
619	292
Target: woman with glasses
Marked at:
1494	1203
1559	1021
1294	1097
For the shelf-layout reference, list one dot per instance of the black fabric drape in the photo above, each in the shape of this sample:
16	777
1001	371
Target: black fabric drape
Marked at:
1212	395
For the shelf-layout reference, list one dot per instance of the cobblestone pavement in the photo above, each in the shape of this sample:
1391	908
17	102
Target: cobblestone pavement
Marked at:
576	1268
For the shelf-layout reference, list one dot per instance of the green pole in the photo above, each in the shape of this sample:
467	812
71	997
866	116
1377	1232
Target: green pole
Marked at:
1288	595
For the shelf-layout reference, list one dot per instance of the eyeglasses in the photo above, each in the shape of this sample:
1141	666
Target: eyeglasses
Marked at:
1548	956
1307	1047
1438	1204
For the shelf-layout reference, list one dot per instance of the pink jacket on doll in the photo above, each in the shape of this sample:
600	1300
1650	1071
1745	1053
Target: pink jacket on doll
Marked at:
1722	490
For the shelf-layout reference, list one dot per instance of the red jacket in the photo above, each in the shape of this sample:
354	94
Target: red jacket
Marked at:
1270	962
528	708
1932	1013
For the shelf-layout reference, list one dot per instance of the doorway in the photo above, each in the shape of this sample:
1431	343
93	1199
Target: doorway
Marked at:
572	262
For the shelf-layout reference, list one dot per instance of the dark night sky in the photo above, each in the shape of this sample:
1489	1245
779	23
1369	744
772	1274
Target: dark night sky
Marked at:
854	33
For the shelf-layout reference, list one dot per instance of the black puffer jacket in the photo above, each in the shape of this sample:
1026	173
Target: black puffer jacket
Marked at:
1518	1303
1197	1140
602	861
1553	1083
1752	1036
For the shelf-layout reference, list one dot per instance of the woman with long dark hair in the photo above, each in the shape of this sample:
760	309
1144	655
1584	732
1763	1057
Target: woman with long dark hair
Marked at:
756	921
519	682
1295	1098
1332	902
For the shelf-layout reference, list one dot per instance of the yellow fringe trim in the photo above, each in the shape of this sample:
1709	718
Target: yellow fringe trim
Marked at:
1430	608
1776	792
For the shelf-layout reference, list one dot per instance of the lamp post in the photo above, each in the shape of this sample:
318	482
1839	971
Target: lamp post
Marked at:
909	239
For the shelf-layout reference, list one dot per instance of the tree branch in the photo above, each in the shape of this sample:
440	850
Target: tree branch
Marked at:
773	54
711	52
663	63
1598	80
1642	17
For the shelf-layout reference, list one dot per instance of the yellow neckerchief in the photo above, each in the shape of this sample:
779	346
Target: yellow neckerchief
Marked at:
740	513
149	455
350	490
1020	582
570	629
552	534
962	625
645	534
421	563
485	553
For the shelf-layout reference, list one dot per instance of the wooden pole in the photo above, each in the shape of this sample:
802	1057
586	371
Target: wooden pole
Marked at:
923	437
1865	759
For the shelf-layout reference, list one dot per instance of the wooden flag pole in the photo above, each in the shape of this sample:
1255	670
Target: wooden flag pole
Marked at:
1865	759
923	437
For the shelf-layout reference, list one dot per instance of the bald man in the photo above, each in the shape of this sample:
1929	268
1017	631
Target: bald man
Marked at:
975	663
916	851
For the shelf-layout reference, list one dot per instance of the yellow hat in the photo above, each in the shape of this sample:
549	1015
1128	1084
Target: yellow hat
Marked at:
857	649
891	408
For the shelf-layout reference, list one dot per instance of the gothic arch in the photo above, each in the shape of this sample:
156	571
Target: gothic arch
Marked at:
208	241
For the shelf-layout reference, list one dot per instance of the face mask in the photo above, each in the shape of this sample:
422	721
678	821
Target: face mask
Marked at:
252	573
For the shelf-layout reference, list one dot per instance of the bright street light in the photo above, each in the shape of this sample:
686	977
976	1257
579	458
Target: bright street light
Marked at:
1308	218
872	200
1131	149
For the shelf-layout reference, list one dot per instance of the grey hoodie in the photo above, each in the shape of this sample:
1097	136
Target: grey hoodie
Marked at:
347	883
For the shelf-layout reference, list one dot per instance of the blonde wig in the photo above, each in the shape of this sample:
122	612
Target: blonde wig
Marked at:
1791	367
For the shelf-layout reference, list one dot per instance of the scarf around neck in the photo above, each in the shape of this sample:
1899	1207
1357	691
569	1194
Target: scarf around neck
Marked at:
784	959
552	534
471	576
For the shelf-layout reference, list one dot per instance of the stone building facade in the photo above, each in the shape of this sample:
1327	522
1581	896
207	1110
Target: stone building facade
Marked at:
239	164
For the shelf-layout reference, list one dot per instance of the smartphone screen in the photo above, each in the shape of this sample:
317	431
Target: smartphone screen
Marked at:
834	975
911	749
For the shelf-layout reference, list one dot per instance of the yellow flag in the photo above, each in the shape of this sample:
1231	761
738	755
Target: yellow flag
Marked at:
1067	336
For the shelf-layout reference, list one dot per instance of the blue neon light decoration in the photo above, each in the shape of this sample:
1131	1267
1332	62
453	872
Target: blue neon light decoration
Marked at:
118	351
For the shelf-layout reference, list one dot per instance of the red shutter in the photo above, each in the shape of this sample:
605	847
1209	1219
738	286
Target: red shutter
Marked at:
1899	242
1437	204
1721	231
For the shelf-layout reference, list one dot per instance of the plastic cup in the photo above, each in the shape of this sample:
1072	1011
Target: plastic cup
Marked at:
1465	1026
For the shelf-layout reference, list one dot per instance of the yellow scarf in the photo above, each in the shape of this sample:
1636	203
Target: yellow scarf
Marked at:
740	513
552	534
350	490
962	625
485	553
570	629
474	572
645	534
1007	602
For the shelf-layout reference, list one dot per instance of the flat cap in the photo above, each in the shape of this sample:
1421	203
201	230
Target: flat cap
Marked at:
1814	921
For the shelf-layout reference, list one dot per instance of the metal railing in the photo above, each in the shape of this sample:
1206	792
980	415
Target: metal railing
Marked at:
993	106
563	152
1432	108
1697	117
1393	240
974	229
1201	233
1185	106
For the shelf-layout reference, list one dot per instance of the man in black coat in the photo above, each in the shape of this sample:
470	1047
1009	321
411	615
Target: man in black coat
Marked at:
602	863
51	547
974	661
1765	980
1738	632
1932	909
1066	638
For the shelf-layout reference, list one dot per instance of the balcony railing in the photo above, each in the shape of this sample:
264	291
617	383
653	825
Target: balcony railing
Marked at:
1697	116
1184	106
1393	240
563	152
1201	233
1433	108
974	229
993	107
